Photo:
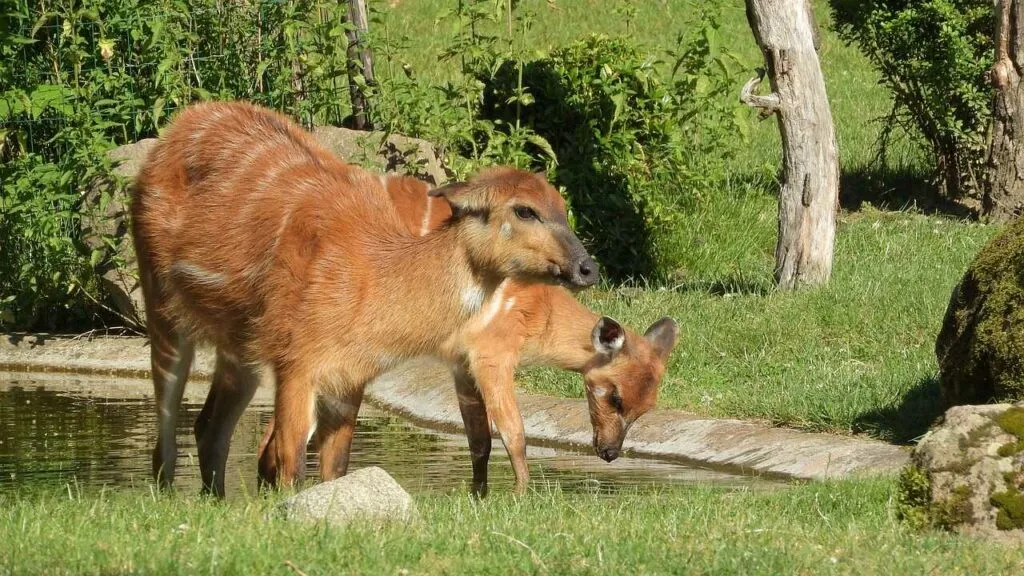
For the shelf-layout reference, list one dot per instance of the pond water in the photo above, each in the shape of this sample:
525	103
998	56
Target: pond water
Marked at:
100	431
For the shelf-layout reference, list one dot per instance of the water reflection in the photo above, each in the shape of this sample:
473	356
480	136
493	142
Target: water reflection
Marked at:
98	431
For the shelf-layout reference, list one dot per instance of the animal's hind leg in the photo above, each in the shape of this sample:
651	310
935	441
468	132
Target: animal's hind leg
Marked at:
234	384
171	352
478	427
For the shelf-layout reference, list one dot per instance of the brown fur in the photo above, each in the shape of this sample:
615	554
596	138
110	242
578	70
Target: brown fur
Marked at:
253	237
534	325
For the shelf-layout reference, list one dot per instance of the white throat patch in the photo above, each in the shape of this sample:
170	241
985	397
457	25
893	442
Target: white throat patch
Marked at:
472	297
494	305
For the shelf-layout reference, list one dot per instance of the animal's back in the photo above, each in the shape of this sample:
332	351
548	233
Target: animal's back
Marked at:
228	212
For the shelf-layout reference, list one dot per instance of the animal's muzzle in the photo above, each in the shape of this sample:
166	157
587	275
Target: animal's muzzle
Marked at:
608	454
584	272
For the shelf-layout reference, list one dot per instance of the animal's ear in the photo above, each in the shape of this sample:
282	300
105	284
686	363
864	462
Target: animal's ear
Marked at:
608	336
663	335
464	197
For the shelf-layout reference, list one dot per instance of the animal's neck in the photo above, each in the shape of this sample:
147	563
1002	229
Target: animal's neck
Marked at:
434	276
567	343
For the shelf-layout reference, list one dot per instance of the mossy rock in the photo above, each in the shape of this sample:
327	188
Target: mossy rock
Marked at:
980	348
967	473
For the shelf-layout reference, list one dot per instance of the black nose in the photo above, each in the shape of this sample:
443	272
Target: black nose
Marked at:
585	273
608	454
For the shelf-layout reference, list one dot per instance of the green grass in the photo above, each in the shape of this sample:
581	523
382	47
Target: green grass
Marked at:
832	528
857	355
858	102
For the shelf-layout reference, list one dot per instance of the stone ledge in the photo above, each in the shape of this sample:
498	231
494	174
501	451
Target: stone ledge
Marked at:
421	390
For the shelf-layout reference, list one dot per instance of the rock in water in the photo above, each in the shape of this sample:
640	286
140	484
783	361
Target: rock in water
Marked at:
980	348
967	474
367	494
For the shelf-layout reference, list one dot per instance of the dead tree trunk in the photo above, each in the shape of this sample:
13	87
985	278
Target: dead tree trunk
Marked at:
360	64
787	35
1004	189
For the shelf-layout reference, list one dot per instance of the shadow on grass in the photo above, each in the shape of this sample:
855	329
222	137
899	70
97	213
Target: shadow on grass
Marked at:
727	286
901	423
889	188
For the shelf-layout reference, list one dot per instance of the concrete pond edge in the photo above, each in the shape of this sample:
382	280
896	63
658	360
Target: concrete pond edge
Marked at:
422	391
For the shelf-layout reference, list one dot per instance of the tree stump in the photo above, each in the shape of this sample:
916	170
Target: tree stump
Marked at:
1004	189
786	33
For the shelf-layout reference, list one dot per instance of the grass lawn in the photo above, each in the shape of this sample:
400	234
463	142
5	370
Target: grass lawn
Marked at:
856	356
832	528
859	103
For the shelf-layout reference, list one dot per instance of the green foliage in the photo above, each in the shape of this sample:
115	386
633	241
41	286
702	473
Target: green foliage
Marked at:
448	113
638	145
914	503
981	345
1010	504
78	78
639	138
914	497
1012	421
935	56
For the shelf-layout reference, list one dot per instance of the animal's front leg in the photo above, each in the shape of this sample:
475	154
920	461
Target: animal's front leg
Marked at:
496	381
336	423
283	462
478	429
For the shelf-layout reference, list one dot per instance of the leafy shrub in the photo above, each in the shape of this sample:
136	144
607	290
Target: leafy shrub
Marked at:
638	139
449	114
78	78
935	56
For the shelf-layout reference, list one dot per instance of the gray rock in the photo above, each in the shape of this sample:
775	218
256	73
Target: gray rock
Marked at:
367	494
105	229
968	472
385	152
104	222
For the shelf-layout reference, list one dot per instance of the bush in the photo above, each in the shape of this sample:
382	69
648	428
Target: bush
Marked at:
935	56
637	140
78	78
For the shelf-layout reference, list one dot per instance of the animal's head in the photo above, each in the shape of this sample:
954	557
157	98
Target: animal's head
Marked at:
515	225
622	378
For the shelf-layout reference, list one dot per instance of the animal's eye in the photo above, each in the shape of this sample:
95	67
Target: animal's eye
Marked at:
616	400
525	213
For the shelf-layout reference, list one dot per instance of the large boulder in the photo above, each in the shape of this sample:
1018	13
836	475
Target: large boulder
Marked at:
980	348
967	473
104	222
385	152
369	494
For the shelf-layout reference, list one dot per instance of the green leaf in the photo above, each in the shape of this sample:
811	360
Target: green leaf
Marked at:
545	146
51	96
158	110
